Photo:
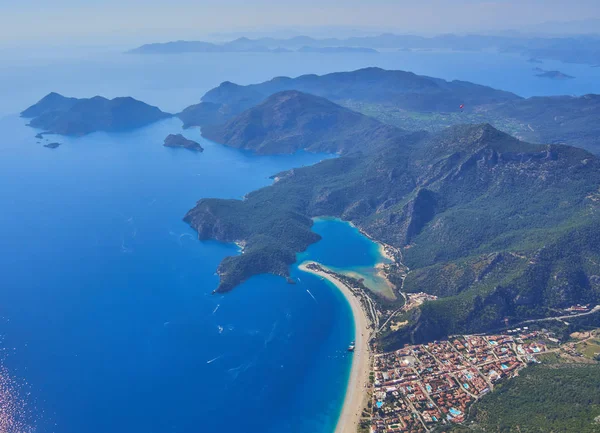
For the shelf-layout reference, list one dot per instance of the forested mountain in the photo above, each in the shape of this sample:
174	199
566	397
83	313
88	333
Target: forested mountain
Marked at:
553	119
554	398
398	88
290	121
414	103
498	227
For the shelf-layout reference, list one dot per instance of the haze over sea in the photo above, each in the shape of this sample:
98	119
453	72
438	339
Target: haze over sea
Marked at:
105	294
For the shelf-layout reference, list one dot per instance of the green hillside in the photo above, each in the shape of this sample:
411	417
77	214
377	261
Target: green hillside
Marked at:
562	398
497	227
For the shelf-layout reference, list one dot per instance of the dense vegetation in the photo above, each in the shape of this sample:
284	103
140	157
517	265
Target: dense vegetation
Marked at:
70	116
560	398
404	90
497	227
561	119
290	121
555	119
413	102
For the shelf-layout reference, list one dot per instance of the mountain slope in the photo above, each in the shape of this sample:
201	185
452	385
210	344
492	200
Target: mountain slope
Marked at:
519	220
49	103
204	113
569	392
413	103
290	121
556	119
71	116
402	89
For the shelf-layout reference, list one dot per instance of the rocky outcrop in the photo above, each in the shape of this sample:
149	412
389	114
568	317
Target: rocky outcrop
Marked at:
178	140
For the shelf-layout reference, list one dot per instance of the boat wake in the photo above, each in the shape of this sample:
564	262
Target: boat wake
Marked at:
214	359
312	296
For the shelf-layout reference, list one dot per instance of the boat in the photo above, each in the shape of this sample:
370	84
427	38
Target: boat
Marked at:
351	347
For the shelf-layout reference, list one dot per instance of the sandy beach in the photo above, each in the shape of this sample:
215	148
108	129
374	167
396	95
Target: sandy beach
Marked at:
384	251
356	394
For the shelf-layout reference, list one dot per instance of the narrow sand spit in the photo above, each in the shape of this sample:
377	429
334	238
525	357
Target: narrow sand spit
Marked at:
356	392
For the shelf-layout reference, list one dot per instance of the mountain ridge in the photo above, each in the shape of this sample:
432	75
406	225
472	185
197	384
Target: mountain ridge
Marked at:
289	121
428	209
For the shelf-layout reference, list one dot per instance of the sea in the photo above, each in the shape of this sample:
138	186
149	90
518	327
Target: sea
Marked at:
107	321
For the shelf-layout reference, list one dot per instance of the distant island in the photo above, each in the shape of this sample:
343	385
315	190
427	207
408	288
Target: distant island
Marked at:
579	49
333	50
52	145
178	140
178	47
554	75
241	45
57	114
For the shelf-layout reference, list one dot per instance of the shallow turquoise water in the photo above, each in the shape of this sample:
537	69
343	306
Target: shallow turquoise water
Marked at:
342	246
345	250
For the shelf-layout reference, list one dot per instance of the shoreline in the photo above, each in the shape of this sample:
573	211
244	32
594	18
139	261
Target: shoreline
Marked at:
356	395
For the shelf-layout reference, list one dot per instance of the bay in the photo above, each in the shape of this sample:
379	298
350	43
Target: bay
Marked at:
105	293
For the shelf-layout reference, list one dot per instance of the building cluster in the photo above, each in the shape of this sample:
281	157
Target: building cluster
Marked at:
419	387
578	309
413	300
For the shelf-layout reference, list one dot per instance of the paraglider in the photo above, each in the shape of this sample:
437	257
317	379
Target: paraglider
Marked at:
462	106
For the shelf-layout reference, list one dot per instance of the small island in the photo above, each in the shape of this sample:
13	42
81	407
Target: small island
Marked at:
337	50
52	145
178	140
535	60
57	114
553	75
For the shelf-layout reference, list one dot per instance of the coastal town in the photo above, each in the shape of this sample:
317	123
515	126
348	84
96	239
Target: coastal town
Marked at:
420	387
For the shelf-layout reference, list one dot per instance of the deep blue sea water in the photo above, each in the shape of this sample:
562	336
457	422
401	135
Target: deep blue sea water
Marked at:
105	294
105	298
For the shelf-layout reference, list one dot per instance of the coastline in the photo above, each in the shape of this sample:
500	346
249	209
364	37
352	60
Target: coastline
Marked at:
356	395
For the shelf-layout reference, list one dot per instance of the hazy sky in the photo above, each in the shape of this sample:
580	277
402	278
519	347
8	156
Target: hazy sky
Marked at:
144	20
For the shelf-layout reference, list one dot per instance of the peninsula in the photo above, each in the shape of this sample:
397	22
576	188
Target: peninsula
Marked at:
418	192
356	391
